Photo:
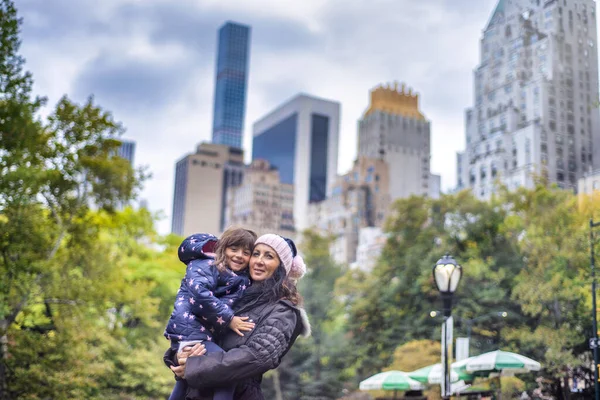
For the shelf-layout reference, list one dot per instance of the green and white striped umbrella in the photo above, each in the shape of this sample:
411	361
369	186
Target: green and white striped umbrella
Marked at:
433	374
498	361
391	380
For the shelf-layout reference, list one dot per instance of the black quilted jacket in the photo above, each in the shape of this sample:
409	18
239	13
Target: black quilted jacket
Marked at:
247	358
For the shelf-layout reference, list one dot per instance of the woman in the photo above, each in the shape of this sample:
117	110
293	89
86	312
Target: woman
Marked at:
272	303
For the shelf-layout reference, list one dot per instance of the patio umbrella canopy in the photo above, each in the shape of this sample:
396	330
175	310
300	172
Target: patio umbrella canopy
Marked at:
433	374
391	380
498	361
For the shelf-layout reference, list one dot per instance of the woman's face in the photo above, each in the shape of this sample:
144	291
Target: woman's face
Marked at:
263	263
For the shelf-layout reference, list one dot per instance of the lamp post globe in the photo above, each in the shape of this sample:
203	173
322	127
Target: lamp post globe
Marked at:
446	274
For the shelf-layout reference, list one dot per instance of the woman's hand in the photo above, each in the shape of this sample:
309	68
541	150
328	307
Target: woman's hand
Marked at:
197	350
239	324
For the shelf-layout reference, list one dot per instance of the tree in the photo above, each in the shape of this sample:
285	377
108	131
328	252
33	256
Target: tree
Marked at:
391	306
106	340
552	290
52	172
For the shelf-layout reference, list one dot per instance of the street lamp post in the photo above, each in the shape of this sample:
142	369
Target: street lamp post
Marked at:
446	274
469	323
594	340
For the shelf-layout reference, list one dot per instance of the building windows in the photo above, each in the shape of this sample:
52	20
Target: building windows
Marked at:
318	161
278	146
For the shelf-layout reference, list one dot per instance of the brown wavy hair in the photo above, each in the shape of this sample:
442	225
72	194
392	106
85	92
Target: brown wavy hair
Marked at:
233	237
290	292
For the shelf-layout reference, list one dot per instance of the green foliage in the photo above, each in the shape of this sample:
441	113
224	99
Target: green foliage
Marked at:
415	354
79	315
94	330
524	252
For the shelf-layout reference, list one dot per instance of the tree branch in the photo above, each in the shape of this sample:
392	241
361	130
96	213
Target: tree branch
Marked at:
56	245
63	301
52	208
17	309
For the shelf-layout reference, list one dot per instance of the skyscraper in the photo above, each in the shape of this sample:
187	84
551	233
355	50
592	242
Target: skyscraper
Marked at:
231	82
127	150
394	130
300	139
535	95
201	183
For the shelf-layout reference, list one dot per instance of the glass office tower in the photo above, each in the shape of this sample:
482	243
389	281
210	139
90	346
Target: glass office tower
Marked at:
231	84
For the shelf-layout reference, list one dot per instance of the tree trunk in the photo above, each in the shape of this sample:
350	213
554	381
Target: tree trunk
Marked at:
3	357
277	385
565	387
318	359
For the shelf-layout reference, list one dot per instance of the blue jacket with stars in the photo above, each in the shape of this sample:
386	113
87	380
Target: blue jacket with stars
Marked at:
203	307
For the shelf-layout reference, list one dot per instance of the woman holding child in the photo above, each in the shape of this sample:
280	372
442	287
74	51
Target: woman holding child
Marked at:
272	303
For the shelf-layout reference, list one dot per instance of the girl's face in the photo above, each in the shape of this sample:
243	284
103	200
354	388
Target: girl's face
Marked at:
264	262
237	257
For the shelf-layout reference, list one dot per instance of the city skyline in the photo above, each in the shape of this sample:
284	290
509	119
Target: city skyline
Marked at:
152	65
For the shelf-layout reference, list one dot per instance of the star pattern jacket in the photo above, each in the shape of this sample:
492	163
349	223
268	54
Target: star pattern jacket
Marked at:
203	306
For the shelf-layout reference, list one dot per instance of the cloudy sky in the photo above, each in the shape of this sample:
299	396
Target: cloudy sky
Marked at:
152	63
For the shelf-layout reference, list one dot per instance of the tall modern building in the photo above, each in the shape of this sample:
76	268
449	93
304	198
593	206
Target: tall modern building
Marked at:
231	82
394	130
201	183
127	150
300	139
535	95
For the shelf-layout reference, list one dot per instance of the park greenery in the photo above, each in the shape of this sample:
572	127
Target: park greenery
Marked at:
86	283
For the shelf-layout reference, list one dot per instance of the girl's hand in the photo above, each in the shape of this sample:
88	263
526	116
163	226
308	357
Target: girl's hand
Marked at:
197	350
179	371
239	324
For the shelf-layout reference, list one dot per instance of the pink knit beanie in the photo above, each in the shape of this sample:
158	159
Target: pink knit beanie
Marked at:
286	250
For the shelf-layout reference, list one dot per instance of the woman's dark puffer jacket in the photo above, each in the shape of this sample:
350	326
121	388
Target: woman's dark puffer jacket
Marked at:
247	358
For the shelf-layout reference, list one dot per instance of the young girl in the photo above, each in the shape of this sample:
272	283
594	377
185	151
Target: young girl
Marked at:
215	279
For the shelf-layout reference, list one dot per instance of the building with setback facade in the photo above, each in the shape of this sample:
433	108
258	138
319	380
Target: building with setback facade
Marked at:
231	83
535	95
300	139
358	199
201	183
262	202
394	129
